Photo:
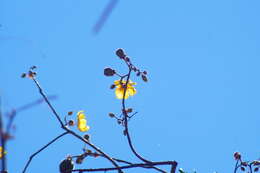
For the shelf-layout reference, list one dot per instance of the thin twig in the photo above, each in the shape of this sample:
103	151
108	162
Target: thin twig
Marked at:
126	123
70	131
48	102
142	165
44	147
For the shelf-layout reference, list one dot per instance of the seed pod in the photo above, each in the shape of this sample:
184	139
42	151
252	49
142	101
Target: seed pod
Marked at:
144	78
109	72
120	53
111	115
67	165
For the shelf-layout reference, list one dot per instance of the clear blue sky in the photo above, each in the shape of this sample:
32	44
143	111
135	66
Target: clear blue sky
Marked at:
200	105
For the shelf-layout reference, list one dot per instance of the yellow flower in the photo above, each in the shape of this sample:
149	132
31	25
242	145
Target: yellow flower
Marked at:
120	88
82	122
1	150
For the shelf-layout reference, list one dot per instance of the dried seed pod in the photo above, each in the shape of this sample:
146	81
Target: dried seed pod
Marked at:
120	53
109	72
71	123
23	75
111	115
237	156
144	78
86	136
67	165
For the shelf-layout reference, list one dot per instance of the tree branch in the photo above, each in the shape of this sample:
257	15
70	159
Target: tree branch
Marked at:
40	150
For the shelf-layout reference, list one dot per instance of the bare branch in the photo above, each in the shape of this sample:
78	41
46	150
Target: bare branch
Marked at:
40	150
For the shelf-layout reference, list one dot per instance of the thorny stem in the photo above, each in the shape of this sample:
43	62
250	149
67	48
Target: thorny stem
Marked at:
126	122
71	132
143	165
44	147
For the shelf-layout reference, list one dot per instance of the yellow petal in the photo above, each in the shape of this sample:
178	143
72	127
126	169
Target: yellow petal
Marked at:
131	91
80	114
117	82
82	125
119	92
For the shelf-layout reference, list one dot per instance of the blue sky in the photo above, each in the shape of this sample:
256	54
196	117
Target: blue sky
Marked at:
200	105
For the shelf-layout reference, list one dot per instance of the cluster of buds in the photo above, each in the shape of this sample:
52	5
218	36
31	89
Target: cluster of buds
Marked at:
31	73
80	158
255	164
121	54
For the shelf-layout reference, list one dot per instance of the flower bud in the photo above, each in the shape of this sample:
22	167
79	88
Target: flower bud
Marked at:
23	75
242	168
86	136
71	123
144	78
237	156
66	166
111	115
112	86
120	53
109	72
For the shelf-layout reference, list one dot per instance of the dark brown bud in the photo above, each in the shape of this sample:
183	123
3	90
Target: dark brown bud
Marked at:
23	75
70	113
144	78
134	69
33	67
111	115
86	136
79	160
138	73
66	165
237	156
88	151
242	168
112	86
244	163
145	72
71	123
256	162
119	121
129	110
127	59
31	74
95	154
256	169
109	72
120	53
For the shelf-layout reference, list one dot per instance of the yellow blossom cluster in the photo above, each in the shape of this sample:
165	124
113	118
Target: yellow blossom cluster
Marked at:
82	122
1	151
120	89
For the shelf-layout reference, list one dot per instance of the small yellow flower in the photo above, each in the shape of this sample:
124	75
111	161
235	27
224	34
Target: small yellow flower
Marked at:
1	150
82	122
120	88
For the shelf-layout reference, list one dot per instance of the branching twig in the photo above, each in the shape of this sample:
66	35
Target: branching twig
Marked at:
142	165
70	131
44	147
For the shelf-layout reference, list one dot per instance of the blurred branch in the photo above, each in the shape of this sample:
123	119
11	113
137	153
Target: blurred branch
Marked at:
104	16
